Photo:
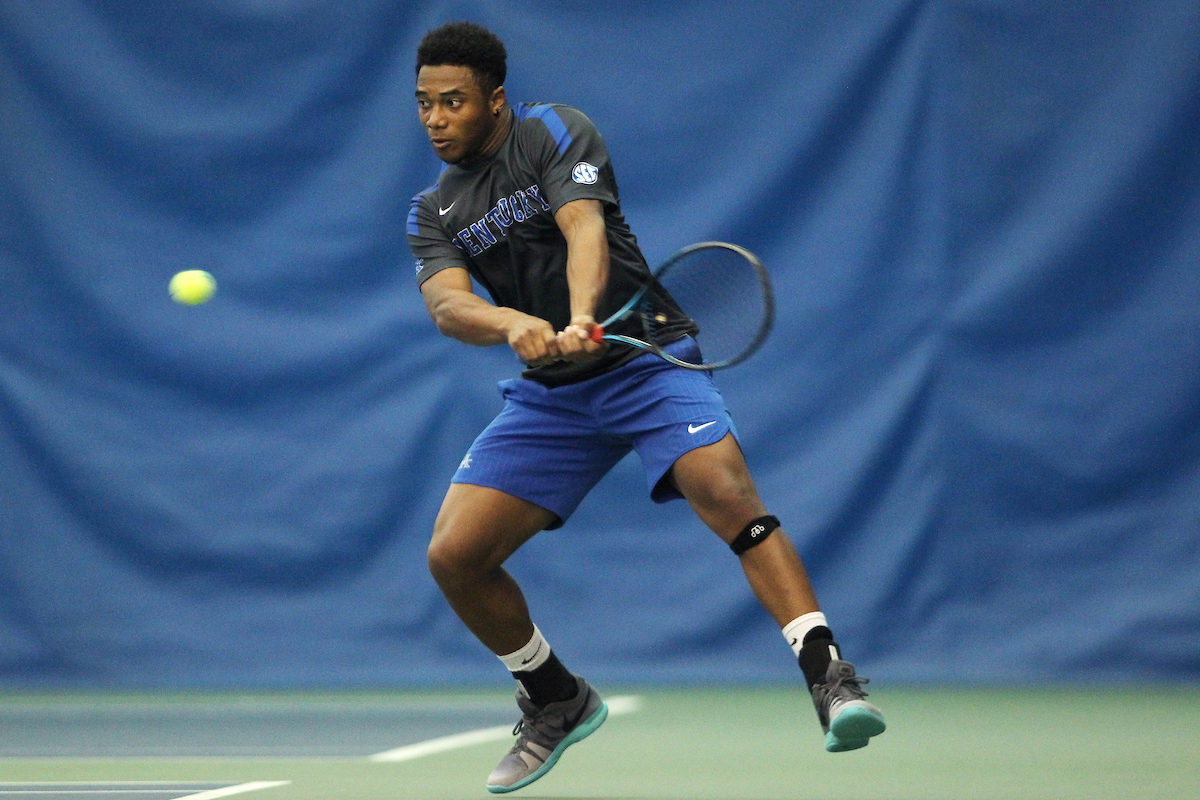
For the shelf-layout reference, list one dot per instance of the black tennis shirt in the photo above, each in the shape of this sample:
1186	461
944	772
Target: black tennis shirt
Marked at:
496	220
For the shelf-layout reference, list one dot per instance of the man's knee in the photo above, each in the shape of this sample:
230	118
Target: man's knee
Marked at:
445	564
724	491
452	555
715	476
468	544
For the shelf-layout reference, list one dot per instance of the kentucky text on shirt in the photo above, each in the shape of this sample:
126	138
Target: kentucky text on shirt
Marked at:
508	210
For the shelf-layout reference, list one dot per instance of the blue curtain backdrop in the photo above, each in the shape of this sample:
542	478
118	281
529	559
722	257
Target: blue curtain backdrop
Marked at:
978	415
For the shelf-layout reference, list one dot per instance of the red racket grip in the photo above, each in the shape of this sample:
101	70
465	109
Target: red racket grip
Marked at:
597	334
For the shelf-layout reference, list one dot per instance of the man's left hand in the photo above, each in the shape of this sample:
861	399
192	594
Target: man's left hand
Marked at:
575	341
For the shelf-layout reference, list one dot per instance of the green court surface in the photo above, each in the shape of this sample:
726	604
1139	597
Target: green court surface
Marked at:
735	744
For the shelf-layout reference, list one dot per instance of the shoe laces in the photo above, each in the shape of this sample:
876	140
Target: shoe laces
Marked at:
529	729
536	724
522	731
848	684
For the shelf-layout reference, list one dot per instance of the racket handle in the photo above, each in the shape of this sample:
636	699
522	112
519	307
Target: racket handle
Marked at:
598	334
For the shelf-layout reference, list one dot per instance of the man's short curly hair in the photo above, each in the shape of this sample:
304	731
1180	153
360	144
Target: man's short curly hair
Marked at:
465	44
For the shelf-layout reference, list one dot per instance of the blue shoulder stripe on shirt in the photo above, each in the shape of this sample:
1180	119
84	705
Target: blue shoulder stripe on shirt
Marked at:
412	210
553	122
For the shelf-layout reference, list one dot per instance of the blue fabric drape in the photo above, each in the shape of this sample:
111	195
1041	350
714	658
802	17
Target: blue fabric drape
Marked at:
978	415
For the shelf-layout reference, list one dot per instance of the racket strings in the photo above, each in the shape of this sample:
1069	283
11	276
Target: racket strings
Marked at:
726	295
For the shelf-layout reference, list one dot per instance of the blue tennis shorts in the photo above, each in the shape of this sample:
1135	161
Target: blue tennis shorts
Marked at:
550	446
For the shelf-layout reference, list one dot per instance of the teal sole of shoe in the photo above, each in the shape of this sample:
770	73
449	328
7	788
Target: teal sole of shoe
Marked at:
835	745
581	732
853	729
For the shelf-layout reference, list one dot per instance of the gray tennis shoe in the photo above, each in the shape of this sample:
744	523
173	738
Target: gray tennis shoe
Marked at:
847	719
545	732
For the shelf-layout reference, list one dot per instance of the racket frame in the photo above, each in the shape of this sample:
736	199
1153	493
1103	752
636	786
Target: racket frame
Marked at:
635	304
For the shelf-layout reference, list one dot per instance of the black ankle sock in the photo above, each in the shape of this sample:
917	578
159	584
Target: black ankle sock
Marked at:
815	655
549	683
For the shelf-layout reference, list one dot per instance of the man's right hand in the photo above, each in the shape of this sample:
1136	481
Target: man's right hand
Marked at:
533	340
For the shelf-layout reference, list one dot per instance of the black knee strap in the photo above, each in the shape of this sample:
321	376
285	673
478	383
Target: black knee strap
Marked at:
753	534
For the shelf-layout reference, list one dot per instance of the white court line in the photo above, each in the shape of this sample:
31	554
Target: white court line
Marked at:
624	704
252	786
166	788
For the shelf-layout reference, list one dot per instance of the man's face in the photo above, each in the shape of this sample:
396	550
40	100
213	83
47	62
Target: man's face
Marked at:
457	117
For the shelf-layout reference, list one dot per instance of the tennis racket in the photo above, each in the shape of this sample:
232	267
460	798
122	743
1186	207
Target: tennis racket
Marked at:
722	287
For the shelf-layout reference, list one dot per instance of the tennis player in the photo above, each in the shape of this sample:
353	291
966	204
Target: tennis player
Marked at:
527	205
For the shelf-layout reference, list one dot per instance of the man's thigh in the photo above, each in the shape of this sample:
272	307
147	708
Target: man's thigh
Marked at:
667	411
484	526
543	449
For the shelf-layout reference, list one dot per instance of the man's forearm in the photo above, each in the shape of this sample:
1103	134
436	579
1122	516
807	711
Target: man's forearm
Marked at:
587	274
460	314
582	224
471	319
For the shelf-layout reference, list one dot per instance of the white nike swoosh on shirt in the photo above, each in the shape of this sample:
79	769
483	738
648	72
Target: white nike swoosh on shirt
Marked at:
695	428
444	211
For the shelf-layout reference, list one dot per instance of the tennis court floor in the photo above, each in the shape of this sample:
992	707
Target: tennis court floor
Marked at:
723	744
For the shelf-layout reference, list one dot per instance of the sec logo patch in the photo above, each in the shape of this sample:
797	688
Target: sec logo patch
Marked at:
584	173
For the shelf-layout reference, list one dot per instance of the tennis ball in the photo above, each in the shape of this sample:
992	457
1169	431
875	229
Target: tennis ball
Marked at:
192	287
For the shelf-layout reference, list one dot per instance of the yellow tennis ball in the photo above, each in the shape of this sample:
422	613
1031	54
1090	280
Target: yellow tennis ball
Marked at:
192	287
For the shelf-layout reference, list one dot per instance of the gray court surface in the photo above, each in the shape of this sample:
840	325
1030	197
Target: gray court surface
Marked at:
172	727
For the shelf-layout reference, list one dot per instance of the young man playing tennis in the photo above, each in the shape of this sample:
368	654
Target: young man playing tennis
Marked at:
528	206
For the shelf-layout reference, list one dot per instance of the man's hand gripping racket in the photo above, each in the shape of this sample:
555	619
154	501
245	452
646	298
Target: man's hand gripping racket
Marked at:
722	287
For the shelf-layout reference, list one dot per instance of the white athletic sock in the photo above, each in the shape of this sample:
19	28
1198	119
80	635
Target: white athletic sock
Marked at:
796	630
529	657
